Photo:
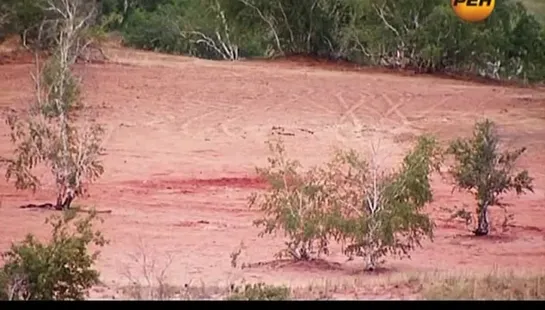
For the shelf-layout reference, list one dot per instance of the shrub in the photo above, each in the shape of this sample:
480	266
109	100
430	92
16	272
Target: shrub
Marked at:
61	269
373	212
380	213
295	204
260	291
197	28
46	132
21	17
482	169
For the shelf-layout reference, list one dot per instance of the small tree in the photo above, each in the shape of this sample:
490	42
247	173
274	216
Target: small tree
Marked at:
376	213
59	270
482	169
295	204
47	132
380	213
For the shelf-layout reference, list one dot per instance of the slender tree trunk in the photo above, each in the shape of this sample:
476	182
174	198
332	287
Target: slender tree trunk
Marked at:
483	224
64	199
370	263
68	201
58	205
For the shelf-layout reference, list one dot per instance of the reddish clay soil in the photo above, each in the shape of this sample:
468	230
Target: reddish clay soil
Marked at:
183	137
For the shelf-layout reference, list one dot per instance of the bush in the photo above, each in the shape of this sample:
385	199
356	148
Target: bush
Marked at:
152	31
260	291
485	171
191	27
373	212
58	270
378	212
47	133
22	17
422	35
295	204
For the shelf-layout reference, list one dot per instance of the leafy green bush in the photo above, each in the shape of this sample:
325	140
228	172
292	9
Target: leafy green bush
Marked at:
151	30
61	269
192	27
485	171
373	212
22	17
295	204
260	291
380	213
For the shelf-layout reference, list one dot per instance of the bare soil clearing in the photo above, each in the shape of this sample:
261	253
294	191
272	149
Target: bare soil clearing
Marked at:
184	135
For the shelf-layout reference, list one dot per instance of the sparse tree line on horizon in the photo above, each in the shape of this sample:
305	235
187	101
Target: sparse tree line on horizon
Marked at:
374	212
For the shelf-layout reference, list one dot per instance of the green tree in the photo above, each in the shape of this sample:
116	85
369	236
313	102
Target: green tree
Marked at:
47	133
375	213
482	169
296	204
379	213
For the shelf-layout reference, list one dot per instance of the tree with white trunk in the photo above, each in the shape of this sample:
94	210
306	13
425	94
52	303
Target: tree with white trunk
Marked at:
48	132
481	168
371	211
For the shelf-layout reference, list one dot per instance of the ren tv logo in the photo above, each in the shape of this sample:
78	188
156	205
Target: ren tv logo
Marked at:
473	10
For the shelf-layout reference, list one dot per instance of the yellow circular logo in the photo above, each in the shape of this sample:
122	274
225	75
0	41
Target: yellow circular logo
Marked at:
473	10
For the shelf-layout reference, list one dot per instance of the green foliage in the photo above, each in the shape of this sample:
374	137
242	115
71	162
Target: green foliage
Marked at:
536	7
373	212
295	204
197	28
380	213
61	269
61	87
47	133
482	169
424	35
22	17
155	32
260	291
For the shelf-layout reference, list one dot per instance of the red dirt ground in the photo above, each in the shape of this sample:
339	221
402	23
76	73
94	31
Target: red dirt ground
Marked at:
184	135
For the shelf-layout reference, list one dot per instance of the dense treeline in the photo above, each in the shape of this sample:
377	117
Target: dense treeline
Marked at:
420	34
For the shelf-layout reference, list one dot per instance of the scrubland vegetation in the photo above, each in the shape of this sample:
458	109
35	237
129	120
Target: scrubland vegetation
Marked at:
375	213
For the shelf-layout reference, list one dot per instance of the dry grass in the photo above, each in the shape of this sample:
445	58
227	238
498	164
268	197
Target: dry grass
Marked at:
494	285
491	287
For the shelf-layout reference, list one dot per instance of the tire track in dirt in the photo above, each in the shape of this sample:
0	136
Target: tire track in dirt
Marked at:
348	112
224	126
226	113
395	109
299	102
210	110
378	122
